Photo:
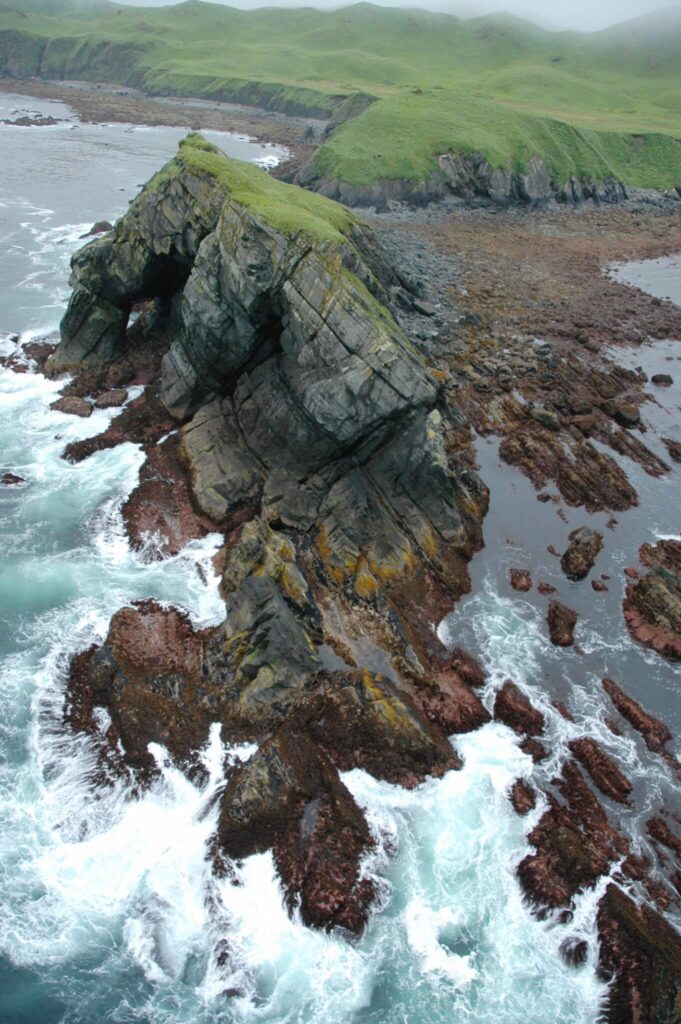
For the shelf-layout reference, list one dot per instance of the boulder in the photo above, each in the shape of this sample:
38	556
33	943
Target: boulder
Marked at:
100	227
521	580
578	559
111	399
627	414
562	621
523	797
72	406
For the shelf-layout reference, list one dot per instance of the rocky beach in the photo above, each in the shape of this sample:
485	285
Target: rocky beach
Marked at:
436	454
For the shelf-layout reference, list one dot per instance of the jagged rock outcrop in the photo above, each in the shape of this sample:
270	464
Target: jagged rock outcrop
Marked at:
260	676
306	428
652	605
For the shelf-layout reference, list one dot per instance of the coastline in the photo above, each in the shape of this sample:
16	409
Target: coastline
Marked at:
102	103
504	299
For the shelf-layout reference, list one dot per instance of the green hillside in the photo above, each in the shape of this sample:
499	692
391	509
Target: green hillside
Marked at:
601	104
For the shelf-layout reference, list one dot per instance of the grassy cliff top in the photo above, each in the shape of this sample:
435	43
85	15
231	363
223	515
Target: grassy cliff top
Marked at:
496	84
401	138
289	209
286	208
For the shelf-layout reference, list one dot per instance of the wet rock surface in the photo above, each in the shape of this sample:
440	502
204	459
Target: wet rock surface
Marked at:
73	406
523	797
514	709
562	621
652	605
575	844
604	772
159	514
641	955
656	734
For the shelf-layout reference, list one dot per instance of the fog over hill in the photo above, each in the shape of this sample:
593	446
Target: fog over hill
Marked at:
579	15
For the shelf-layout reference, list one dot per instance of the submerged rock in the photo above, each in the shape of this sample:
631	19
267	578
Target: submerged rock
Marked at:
98	228
521	580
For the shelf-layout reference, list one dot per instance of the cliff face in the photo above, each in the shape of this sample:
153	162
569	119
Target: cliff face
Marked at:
310	435
470	177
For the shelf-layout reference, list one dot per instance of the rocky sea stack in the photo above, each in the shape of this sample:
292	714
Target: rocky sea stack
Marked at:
281	405
290	413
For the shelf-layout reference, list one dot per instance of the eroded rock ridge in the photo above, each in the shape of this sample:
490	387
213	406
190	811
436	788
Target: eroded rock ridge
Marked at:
310	432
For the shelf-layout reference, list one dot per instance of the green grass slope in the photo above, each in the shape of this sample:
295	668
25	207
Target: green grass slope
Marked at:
608	104
288	209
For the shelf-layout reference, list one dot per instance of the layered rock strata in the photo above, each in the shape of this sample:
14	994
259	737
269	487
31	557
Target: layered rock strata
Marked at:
652	605
471	177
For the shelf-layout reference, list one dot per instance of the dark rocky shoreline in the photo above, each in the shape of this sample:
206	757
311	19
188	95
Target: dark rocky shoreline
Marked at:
340	554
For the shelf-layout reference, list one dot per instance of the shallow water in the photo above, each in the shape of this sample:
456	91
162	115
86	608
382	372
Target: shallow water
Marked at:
109	910
661	277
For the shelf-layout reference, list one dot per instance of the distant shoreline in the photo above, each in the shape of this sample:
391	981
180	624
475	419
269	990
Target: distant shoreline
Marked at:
103	103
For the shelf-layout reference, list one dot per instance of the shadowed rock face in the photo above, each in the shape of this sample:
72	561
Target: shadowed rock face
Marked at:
306	429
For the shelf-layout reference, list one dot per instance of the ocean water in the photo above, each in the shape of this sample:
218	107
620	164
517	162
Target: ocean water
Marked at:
109	910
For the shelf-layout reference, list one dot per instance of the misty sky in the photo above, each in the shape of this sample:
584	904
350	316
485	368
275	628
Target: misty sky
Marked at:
584	15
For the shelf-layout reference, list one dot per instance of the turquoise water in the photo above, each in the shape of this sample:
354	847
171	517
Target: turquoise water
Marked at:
109	911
